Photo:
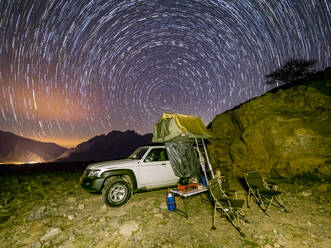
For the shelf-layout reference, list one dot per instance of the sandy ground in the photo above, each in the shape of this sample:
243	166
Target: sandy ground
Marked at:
50	209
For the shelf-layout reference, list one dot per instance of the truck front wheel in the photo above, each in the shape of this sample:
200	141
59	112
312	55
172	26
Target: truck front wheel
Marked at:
117	192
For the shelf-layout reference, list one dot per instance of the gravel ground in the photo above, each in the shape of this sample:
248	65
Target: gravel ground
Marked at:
49	209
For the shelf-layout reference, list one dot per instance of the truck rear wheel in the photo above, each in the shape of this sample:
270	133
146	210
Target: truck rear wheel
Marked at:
116	192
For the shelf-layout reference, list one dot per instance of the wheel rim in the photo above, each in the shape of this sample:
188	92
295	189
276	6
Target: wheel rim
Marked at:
117	193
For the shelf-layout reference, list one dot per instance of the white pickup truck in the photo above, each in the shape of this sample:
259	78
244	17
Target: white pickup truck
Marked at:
147	168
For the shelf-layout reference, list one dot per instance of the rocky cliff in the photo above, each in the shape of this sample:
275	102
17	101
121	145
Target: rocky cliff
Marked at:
285	132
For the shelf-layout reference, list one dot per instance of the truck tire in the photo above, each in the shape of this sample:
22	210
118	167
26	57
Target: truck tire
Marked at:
116	192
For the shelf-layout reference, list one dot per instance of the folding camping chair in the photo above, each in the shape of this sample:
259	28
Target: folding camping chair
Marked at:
262	192
228	207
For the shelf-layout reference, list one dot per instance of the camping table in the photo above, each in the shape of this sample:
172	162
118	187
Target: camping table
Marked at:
184	195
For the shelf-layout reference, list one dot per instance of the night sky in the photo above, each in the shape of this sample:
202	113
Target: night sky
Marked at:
70	70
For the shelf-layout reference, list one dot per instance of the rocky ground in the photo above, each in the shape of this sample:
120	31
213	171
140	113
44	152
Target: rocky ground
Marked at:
49	209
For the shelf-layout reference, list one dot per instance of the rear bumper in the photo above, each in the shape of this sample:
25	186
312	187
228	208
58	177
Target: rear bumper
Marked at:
91	184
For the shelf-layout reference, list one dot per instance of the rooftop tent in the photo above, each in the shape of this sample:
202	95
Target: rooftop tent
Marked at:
177	132
174	125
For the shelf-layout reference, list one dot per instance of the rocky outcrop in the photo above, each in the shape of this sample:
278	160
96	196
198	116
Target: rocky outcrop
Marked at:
285	132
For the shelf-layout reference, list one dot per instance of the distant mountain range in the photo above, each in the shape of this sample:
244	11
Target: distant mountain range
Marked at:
114	145
14	148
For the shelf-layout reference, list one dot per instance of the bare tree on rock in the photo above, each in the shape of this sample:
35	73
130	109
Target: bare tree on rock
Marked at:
292	70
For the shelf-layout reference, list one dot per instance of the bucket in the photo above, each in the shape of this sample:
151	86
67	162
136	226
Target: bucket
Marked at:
171	201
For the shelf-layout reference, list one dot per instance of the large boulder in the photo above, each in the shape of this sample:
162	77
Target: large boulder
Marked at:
285	132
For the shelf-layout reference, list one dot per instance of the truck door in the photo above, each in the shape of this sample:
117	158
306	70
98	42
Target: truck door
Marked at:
155	170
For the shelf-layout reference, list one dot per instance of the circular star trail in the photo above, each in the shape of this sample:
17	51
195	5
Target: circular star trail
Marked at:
70	70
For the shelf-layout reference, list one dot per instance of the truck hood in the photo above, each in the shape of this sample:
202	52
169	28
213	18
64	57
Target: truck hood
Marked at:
113	164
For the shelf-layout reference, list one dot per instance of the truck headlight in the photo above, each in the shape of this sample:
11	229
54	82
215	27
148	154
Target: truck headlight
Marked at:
93	173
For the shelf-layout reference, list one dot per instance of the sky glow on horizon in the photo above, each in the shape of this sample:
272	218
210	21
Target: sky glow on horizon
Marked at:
70	70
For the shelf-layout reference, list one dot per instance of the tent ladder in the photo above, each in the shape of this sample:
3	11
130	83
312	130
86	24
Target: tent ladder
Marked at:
210	168
202	159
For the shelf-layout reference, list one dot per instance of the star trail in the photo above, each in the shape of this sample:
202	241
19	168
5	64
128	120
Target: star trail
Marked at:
70	70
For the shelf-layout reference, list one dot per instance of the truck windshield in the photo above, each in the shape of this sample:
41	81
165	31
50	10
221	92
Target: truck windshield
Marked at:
139	153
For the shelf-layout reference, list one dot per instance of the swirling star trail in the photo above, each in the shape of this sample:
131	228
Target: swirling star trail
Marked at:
70	70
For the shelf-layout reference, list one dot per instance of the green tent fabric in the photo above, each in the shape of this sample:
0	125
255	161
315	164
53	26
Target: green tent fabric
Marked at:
176	130
183	157
172	125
